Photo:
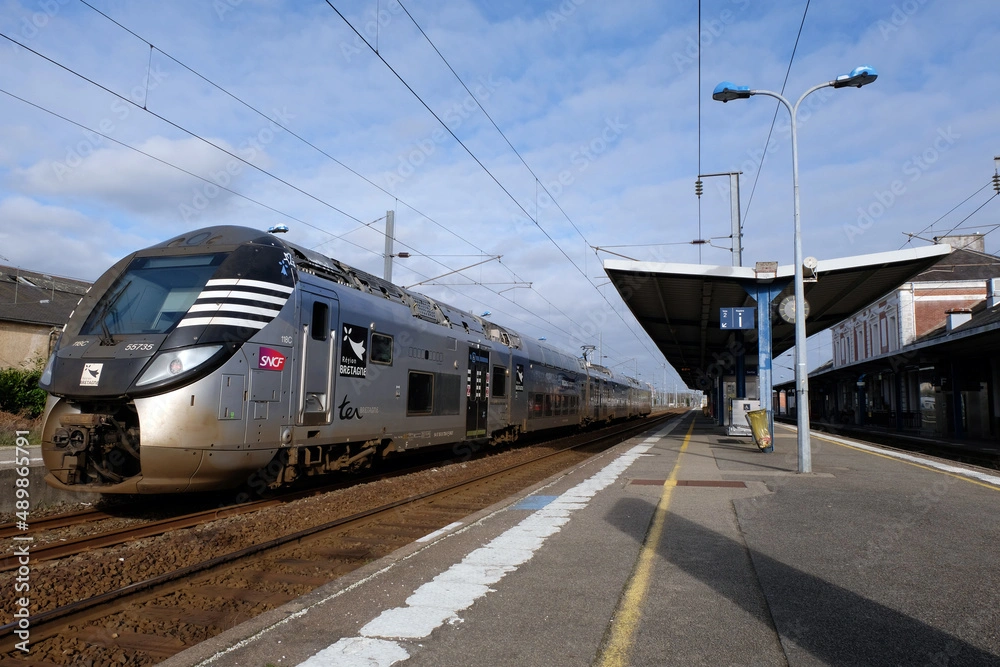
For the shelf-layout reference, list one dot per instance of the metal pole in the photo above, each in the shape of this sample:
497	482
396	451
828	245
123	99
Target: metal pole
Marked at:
390	230
801	361
801	365
734	203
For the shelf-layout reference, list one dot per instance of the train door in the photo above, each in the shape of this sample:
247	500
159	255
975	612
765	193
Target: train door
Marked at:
320	312
477	393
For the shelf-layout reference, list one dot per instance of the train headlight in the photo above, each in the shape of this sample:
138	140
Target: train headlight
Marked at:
170	364
46	379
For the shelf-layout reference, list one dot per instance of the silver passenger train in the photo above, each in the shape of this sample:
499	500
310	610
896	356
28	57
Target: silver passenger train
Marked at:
197	363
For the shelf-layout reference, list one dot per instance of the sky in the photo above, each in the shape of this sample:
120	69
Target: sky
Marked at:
550	134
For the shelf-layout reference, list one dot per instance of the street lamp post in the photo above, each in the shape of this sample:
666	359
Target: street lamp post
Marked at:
724	92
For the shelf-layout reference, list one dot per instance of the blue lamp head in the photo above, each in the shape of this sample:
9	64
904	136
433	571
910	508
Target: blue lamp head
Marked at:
726	91
859	76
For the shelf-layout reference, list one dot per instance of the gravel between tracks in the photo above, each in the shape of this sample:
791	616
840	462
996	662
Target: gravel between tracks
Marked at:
57	583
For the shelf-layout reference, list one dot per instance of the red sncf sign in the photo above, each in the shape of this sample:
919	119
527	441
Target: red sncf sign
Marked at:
270	360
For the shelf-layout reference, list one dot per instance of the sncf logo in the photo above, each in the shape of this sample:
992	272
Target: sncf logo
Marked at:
270	360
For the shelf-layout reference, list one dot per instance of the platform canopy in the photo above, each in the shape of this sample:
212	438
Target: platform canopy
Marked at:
679	304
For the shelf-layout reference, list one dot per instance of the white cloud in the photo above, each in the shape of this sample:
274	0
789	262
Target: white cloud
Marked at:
555	75
60	240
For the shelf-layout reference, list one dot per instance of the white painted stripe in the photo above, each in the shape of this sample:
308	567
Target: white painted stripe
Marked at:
487	574
441	531
10	461
438	601
249	310
246	296
246	282
361	652
221	321
964	472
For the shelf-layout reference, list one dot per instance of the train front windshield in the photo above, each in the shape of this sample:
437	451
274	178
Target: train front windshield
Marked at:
152	295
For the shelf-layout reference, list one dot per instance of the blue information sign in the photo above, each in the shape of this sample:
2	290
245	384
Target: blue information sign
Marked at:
736	318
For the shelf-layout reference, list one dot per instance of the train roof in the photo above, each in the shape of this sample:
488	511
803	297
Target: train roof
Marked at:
421	306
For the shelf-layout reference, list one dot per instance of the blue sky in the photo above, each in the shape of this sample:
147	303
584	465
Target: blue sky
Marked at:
600	101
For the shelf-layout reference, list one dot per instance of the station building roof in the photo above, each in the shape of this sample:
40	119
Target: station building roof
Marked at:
38	299
679	304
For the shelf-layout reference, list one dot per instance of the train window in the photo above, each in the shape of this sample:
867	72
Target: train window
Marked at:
499	382
320	327
152	295
420	394
548	406
447	393
381	349
536	405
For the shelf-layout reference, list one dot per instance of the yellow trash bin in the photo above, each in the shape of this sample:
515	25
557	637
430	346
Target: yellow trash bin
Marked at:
759	427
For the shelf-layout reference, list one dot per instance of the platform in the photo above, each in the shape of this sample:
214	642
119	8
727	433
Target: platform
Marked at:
682	546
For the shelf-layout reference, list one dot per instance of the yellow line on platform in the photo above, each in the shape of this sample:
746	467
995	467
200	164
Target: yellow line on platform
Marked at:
964	478
626	619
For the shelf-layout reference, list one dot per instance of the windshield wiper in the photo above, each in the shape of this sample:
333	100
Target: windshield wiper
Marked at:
106	337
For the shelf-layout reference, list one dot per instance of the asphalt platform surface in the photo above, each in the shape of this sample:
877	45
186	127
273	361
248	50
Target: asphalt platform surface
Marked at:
682	546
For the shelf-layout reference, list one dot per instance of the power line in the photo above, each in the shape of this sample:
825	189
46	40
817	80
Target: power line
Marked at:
183	129
264	171
196	136
918	234
186	171
480	163
777	106
278	124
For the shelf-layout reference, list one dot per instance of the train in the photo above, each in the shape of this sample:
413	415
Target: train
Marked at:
197	363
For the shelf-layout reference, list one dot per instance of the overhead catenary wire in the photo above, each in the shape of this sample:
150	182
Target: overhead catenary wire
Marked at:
230	153
483	167
267	173
182	169
774	119
278	123
952	209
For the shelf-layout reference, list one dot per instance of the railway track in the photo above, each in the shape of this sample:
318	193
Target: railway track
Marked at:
148	620
62	547
55	522
956	452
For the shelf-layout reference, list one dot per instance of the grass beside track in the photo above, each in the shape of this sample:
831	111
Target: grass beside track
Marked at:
10	424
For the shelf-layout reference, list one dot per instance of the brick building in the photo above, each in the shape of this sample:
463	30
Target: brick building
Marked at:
924	357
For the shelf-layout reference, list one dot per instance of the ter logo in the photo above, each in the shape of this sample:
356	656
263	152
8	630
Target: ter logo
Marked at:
270	360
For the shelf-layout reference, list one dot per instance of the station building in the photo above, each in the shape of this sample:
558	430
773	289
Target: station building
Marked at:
924	359
33	309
